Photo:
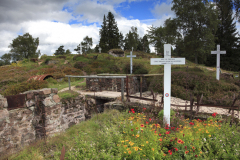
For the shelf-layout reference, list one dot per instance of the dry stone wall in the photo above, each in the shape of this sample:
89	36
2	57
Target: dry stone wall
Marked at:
42	115
114	84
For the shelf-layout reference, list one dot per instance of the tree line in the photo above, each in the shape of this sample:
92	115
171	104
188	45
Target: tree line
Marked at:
199	26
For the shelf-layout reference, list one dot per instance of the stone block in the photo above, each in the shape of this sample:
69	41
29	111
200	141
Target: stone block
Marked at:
56	99
4	113
54	90
30	103
3	103
46	90
30	95
48	102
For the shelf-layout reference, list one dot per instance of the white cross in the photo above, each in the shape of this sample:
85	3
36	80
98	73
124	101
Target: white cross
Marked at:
218	52
131	56
81	50
132	48
156	50
100	49
167	61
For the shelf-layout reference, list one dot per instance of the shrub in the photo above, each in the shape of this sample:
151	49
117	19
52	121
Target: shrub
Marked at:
137	68
44	56
80	65
75	57
25	86
47	60
51	80
63	57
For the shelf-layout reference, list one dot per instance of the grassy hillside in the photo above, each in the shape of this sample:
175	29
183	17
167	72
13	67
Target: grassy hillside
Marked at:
186	79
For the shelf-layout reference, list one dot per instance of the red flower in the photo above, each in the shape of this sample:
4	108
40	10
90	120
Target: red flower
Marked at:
155	131
183	135
133	111
176	149
159	134
170	152
176	139
195	155
131	129
168	132
142	125
171	140
144	108
191	123
185	147
150	119
214	114
172	128
147	122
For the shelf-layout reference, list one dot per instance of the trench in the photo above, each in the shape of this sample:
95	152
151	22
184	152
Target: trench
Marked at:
100	104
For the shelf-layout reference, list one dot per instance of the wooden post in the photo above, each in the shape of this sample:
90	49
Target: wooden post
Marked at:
69	83
122	88
141	86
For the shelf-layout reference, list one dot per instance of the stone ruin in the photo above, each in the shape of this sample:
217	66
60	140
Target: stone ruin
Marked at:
40	114
116	52
114	84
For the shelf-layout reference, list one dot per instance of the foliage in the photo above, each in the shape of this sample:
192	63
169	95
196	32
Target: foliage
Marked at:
137	68
168	34
109	33
47	60
197	22
6	58
60	51
68	94
24	47
227	37
80	65
25	86
63	57
131	39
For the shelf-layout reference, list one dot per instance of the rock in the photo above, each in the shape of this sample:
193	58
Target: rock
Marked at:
56	99
48	102
3	103
4	113
46	90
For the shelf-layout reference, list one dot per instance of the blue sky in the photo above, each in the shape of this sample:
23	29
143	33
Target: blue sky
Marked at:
67	22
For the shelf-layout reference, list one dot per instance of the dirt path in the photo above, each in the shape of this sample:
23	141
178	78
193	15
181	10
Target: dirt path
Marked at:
72	87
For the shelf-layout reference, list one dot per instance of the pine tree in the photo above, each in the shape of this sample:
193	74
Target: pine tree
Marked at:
226	37
103	44
112	31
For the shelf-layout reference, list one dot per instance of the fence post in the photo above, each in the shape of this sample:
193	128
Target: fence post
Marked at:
122	88
62	153
69	83
141	86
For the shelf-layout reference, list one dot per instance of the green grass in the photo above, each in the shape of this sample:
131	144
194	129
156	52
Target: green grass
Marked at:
64	84
122	135
68	94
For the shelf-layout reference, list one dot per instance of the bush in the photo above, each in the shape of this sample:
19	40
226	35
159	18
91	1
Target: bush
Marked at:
80	65
51	80
137	68
47	60
25	86
44	56
63	57
75	57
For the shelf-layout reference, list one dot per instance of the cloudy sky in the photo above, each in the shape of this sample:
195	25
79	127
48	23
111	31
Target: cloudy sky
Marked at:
67	22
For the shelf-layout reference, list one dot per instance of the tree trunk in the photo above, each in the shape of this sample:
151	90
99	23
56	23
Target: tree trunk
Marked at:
196	59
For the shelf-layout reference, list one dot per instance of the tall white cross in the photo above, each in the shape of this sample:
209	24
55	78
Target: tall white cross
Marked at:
218	52
81	50
167	61
131	56
100	49
156	50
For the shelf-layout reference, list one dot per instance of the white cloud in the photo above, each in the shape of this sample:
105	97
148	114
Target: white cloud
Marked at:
52	34
163	9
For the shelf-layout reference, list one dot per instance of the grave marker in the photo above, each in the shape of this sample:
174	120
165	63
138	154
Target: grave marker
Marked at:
167	61
100	49
218	52
131	56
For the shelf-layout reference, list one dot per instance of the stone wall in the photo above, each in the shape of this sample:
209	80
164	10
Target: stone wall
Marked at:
114	84
43	114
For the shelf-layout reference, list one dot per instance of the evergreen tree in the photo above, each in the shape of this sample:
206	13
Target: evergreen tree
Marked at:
112	31
86	44
104	36
121	41
132	39
226	37
145	44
